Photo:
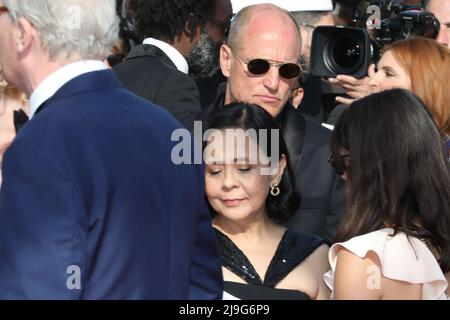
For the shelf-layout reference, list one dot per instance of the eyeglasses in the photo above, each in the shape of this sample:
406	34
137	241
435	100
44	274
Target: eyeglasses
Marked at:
261	66
339	165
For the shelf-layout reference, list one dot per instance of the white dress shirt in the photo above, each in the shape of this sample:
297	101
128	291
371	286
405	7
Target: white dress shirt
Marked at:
50	85
174	55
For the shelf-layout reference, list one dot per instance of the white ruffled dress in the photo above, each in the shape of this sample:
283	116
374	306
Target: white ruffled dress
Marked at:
402	258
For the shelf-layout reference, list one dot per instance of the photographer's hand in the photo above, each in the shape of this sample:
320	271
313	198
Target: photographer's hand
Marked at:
354	88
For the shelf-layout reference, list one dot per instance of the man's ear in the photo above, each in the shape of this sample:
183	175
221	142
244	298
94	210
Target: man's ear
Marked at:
225	60
24	33
297	97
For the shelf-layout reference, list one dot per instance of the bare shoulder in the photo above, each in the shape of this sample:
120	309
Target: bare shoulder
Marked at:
362	278
356	277
308	275
320	252
318	265
318	259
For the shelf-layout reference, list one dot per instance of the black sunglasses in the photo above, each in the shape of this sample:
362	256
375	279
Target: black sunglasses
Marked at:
339	166
261	66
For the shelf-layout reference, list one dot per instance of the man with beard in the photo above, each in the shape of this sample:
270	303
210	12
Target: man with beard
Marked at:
157	69
203	59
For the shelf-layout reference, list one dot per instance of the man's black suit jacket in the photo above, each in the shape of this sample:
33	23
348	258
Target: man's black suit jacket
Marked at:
148	72
322	192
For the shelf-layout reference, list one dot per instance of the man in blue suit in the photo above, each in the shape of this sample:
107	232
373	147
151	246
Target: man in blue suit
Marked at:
91	205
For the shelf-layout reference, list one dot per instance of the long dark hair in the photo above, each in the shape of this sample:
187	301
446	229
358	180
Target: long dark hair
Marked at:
397	174
245	116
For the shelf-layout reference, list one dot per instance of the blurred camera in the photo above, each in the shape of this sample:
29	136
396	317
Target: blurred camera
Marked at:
340	50
410	22
350	50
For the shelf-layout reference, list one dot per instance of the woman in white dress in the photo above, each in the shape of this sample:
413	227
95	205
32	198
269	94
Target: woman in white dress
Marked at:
394	242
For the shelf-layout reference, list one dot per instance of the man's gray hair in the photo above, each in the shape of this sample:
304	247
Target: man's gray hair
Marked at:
240	21
87	28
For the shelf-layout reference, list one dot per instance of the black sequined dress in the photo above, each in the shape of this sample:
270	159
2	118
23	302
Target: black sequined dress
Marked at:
294	247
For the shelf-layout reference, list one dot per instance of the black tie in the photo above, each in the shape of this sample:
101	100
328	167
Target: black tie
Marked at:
20	118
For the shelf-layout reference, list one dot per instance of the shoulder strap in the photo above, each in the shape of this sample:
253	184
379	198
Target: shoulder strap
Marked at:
235	260
293	249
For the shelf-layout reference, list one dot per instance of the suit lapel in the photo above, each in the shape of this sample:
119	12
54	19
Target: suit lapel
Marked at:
293	129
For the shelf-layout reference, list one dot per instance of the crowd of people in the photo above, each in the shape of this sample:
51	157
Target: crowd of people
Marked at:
92	205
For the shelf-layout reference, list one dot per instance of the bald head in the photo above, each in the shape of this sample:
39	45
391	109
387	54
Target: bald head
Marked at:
261	32
263	18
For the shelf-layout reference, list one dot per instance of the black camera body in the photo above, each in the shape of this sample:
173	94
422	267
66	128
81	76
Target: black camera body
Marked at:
409	22
350	50
340	50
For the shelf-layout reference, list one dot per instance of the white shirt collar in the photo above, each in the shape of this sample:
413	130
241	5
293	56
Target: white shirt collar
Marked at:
52	83
175	56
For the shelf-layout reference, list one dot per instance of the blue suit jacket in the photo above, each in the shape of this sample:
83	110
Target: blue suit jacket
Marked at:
92	207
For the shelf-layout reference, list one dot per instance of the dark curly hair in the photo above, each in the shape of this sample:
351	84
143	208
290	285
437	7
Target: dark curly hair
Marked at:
246	116
166	19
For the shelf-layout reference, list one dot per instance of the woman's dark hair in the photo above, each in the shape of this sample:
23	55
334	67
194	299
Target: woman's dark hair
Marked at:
252	117
166	19
397	175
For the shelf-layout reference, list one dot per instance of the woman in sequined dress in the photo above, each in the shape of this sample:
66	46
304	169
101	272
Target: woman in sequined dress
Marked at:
251	194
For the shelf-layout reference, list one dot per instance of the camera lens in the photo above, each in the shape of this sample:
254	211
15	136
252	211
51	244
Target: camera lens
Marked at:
344	55
340	50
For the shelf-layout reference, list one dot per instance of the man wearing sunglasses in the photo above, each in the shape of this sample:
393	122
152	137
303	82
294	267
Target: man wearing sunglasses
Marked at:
260	62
